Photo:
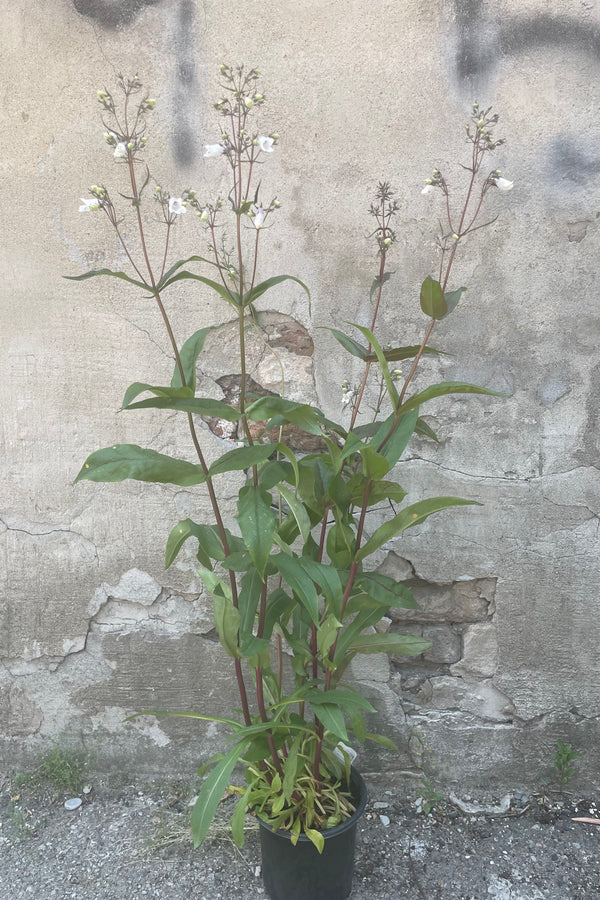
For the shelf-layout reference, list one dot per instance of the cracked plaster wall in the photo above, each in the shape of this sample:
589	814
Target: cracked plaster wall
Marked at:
91	627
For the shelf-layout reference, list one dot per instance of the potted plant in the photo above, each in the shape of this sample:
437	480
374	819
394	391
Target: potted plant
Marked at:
294	590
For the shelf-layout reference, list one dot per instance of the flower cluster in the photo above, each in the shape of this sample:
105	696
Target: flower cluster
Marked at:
384	208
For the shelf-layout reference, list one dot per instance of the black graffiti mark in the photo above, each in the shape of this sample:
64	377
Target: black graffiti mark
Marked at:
518	34
112	14
184	139
484	41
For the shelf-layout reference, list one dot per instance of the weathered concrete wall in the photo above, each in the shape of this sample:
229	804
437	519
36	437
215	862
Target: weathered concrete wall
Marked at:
91	627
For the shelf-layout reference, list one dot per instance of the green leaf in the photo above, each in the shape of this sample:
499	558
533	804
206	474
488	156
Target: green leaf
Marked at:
227	623
257	523
122	275
412	515
291	766
243	458
332	718
386	590
345	699
249	595
239	817
209	543
294	574
452	298
179	264
340	545
303	415
211	792
259	289
423	429
399	353
200	406
383	740
189	354
350	344
137	388
228	295
327	633
446	387
327	579
123	461
400	644
432	299
279	605
375	466
357	723
316	837
298	511
391	387
394	447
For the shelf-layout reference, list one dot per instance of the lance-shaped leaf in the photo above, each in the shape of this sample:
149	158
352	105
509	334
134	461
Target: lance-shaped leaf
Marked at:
182	262
392	438
391	387
278	411
432	299
188	355
351	345
123	461
410	516
401	644
452	298
259	289
298	511
446	387
301	583
424	430
137	388
399	353
227	623
209	543
257	524
236	822
199	406
95	272
386	590
211	792
242	458
230	296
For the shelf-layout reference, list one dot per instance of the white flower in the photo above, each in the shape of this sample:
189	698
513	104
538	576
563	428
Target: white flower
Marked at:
213	149
176	206
265	143
259	218
120	150
503	184
90	205
427	189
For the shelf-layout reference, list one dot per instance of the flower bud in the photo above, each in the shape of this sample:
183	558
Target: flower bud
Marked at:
204	215
258	97
455	237
249	102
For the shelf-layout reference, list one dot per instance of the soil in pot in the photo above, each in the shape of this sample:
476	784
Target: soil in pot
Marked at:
301	872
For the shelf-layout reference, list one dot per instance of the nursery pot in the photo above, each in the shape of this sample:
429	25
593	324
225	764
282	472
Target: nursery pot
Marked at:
301	872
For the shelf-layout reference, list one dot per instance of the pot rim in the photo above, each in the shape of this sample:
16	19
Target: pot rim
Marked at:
356	781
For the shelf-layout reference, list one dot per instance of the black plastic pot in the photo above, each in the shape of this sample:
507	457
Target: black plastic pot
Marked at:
301	872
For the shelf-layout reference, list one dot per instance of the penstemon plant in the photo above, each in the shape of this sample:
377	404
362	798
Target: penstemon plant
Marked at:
295	597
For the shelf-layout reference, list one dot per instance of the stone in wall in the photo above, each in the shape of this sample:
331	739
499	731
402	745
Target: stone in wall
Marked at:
19	715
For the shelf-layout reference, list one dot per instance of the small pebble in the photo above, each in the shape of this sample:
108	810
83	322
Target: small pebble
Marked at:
384	820
73	803
380	805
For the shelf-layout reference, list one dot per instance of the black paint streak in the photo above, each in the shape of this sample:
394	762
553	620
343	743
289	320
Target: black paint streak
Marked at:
514	36
485	41
112	14
184	139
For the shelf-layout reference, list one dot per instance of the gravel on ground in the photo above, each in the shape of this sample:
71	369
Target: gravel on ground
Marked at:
131	844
